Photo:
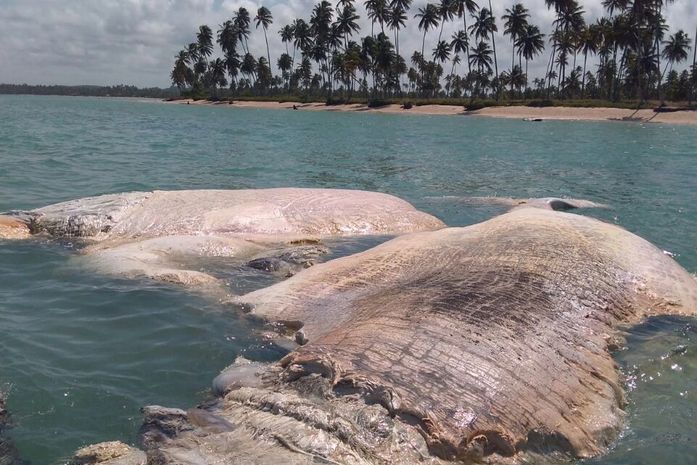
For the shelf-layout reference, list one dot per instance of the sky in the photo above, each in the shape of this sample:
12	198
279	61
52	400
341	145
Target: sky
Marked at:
107	42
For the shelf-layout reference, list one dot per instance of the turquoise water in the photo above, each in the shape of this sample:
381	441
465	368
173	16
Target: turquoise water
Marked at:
81	353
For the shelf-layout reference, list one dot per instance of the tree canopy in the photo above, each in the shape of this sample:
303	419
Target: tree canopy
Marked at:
326	54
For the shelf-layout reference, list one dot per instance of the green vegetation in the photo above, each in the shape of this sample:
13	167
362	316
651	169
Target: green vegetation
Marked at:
325	59
468	103
92	91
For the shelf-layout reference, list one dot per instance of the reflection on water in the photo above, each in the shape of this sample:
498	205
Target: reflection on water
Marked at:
81	353
660	369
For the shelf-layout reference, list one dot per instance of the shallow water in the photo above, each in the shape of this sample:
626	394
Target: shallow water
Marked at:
81	353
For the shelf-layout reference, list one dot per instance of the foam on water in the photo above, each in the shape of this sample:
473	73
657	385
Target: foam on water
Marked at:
82	352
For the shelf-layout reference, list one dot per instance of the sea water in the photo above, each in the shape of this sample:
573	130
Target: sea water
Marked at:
81	353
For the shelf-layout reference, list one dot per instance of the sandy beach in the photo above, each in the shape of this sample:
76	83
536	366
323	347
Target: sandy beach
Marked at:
512	112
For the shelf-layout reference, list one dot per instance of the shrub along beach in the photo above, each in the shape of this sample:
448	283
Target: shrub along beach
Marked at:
628	58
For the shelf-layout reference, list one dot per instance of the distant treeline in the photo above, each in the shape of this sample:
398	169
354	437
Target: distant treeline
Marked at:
629	53
90	91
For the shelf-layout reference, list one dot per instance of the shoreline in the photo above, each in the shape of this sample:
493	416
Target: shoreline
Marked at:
684	117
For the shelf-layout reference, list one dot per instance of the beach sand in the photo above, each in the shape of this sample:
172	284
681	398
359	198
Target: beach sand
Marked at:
512	112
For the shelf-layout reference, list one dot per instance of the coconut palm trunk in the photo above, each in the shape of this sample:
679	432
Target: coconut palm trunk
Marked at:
550	67
423	70
694	71
396	40
583	78
611	92
268	53
527	81
292	60
464	23
618	74
496	61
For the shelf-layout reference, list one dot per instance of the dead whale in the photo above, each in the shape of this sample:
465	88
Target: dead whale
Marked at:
259	213
489	343
157	234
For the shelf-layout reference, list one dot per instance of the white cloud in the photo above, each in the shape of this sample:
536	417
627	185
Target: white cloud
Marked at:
134	41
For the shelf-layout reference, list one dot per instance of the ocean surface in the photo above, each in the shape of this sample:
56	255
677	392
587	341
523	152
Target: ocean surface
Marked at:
81	353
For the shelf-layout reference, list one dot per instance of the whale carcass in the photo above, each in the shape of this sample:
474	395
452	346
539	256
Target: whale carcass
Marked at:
490	343
157	234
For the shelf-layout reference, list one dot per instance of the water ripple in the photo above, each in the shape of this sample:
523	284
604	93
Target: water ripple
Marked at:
82	353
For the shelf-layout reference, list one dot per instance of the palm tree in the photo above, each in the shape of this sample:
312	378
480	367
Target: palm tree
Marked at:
428	18
181	73
480	57
463	8
516	22
285	64
446	12
400	8
396	21
562	9
217	73
483	28
321	20
232	64
629	43
248	66
200	68
572	84
378	12
460	43
693	74
676	48
302	36
403	5
530	44
493	46
483	25
242	20
370	7
551	76
204	40
305	71
571	23
565	45
192	52
589	42
383	61
227	37
347	23
286	34
517	78
456	61
324	39
615	5
263	72
570	17
264	19
442	51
